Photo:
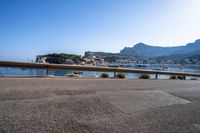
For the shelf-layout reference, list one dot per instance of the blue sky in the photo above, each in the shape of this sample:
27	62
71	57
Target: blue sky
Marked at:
33	27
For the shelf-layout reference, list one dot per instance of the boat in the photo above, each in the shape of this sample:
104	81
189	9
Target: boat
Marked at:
23	68
157	69
181	67
142	65
113	66
78	72
94	76
126	65
72	75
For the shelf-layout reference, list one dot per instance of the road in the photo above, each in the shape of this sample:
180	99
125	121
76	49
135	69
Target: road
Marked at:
57	105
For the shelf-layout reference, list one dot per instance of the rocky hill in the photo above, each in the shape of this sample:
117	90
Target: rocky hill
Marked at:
144	50
59	58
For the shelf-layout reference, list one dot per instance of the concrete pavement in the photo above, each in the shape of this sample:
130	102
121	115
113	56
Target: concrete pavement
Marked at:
99	105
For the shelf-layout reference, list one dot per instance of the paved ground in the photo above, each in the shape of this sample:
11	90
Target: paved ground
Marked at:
99	105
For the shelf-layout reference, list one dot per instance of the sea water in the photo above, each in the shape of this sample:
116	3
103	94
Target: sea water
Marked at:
6	71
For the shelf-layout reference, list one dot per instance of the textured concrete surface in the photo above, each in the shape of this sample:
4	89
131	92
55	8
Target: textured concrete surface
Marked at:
134	101
99	105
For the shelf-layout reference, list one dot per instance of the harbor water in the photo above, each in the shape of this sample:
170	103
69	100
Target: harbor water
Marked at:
6	71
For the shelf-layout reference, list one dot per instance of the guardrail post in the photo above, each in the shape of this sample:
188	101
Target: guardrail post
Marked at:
114	73
47	71
184	77
156	76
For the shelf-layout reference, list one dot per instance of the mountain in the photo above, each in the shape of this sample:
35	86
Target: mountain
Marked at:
146	51
141	51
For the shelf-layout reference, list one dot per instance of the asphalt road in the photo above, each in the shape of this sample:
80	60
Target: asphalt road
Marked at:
57	105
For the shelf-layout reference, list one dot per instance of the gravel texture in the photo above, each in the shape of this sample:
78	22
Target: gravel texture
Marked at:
57	105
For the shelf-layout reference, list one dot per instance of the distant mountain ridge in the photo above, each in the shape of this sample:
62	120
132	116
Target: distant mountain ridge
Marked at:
144	50
141	51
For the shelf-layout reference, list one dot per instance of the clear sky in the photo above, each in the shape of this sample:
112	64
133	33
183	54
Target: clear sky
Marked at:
33	27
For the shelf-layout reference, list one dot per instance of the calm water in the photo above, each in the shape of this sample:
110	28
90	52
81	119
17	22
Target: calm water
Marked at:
42	72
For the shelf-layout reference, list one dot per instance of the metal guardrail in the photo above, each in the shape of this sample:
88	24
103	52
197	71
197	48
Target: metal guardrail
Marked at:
90	68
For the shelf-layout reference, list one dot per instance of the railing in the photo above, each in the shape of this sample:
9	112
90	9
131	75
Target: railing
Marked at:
91	68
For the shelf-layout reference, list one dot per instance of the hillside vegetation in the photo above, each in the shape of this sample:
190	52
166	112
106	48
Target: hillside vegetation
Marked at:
59	58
